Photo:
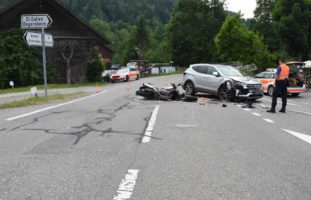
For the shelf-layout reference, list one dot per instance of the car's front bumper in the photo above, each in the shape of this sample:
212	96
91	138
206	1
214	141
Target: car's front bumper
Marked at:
251	92
117	78
250	96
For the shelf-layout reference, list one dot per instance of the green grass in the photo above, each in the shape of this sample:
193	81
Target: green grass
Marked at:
50	86
42	100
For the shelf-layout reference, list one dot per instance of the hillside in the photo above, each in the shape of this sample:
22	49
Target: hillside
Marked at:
121	12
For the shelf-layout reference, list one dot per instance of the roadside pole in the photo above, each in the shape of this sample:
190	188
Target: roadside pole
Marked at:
38	21
44	63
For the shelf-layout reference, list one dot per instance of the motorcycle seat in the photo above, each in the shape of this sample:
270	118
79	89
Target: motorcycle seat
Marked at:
148	85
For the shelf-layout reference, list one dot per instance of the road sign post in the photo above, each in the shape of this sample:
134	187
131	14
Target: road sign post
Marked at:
44	63
38	21
35	39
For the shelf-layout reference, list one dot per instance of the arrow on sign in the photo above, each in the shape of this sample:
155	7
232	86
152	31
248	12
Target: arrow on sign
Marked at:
35	39
36	21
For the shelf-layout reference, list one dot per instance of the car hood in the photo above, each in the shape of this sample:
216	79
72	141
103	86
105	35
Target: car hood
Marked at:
245	79
109	71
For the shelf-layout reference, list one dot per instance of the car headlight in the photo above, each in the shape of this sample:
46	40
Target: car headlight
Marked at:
242	84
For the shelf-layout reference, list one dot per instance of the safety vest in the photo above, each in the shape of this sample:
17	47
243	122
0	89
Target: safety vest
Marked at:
284	72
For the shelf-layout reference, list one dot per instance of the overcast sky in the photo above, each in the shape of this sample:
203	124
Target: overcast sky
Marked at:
247	7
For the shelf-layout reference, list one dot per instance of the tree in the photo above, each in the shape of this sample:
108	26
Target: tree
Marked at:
93	8
292	18
159	50
141	38
264	25
102	26
137	43
192	29
95	66
235	42
18	62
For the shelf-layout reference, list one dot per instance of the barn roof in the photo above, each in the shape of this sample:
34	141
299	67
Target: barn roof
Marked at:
61	6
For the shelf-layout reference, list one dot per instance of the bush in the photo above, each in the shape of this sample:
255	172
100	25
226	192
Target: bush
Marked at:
18	62
95	66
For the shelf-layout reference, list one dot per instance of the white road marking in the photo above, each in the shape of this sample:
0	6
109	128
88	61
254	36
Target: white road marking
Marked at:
185	126
269	121
301	112
257	114
304	137
240	106
53	107
151	125
247	109
291	104
305	103
127	185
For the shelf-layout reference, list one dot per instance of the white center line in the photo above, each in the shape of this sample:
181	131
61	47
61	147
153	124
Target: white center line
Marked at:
269	121
304	137
151	125
257	114
301	112
127	185
53	107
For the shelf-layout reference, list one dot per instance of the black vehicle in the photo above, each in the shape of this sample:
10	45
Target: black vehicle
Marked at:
149	91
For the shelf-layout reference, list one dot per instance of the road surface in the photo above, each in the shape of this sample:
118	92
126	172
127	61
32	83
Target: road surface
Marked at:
115	145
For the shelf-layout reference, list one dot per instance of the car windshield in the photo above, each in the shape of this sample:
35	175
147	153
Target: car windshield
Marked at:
124	70
230	71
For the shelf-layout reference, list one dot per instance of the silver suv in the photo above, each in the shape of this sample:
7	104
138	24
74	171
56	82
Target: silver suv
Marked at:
213	79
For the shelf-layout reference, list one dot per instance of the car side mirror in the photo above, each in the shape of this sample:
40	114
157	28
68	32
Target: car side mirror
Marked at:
216	74
179	84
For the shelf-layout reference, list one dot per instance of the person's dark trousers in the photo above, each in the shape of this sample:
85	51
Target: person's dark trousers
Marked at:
280	88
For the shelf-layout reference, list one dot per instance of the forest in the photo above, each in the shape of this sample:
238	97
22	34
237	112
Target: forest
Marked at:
191	31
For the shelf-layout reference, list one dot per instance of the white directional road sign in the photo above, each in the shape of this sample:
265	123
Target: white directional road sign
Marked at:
35	39
36	21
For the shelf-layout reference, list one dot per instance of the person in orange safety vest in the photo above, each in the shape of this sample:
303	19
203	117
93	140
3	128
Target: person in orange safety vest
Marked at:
281	84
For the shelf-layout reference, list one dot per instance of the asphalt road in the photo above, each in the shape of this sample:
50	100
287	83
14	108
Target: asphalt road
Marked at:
98	148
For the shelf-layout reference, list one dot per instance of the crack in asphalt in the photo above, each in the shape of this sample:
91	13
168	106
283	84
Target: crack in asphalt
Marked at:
81	131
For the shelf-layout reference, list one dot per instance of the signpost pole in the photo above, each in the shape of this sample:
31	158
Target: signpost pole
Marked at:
44	63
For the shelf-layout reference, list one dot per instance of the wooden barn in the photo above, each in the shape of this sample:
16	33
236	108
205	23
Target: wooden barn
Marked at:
73	37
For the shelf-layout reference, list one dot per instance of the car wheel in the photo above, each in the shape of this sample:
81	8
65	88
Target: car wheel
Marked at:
127	78
223	93
295	94
112	81
137	77
270	91
189	88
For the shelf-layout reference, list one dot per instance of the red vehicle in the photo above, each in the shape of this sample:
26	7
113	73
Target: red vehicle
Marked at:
125	74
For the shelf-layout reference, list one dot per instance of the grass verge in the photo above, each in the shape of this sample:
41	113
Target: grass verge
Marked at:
50	86
43	100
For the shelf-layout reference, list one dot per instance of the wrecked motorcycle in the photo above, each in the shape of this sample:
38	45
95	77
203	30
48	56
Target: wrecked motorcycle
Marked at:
149	91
